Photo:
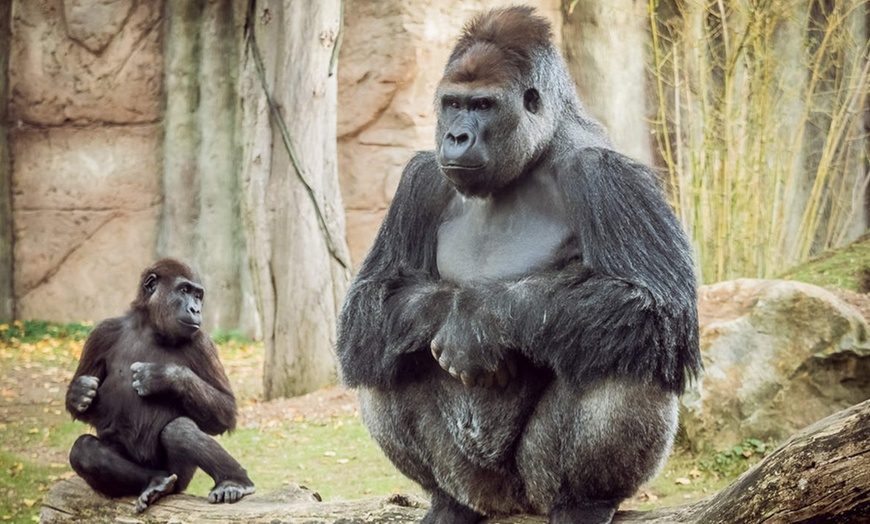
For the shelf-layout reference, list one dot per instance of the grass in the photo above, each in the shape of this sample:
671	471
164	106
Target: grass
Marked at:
835	268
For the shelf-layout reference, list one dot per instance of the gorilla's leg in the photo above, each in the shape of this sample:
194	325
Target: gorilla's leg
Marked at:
445	509
456	442
586	450
106	470
187	447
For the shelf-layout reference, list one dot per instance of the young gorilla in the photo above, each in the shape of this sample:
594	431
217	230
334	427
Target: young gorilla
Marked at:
550	281
151	384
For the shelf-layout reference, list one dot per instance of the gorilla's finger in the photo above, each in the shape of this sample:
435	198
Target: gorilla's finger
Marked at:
453	372
467	379
436	351
486	380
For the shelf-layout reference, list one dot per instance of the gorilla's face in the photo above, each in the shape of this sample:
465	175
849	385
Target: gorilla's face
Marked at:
483	143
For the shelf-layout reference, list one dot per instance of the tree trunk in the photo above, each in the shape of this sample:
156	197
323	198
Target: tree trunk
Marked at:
291	202
605	46
201	219
822	474
7	306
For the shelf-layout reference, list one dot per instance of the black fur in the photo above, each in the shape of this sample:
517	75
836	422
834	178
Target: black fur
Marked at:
152	386
553	274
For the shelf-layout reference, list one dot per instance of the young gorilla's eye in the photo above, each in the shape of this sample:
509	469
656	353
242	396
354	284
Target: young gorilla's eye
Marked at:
454	104
483	104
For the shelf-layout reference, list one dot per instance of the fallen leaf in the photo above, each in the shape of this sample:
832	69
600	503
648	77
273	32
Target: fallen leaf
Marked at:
682	481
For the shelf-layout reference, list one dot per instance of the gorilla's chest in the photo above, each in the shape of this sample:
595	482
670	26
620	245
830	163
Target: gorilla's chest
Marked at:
495	239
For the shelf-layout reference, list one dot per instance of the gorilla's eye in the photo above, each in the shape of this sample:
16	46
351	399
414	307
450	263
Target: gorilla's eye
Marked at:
452	103
482	104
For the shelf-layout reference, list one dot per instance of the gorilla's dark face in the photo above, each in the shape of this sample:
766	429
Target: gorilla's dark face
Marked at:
488	131
173	299
481	145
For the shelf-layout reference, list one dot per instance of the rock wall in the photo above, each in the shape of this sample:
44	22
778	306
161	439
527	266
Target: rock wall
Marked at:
391	60
95	139
85	105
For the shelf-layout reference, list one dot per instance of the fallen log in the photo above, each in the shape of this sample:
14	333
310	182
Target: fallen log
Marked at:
822	474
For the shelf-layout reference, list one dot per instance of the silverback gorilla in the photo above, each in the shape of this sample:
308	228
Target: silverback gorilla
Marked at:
550	281
151	384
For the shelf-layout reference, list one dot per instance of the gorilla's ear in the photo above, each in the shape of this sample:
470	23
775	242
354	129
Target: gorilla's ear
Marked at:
149	284
532	100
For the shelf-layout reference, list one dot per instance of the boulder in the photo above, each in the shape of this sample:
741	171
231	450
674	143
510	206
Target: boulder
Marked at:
778	355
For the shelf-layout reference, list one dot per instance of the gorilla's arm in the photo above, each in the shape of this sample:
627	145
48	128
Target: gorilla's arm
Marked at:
626	306
202	387
91	371
397	301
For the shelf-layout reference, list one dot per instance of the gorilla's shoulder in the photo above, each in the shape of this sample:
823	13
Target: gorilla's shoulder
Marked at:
603	162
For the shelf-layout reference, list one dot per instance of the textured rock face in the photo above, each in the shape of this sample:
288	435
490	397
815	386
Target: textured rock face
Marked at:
778	356
391	59
86	100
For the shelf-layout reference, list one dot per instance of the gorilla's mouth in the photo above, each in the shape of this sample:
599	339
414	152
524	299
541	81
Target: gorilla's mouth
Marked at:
192	325
461	167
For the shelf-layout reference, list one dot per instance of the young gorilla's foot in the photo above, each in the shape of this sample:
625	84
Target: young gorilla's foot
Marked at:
158	487
446	510
588	512
230	491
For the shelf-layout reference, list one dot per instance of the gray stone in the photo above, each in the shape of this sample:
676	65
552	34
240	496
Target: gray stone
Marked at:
778	356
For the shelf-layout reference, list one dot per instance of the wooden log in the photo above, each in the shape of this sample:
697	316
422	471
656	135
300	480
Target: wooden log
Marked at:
822	474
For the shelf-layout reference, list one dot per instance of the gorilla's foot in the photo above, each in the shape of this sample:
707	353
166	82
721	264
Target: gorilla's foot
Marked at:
446	510
587	512
158	487
230	491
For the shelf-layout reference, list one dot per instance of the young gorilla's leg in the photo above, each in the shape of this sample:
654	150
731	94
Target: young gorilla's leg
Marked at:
586	450
106	470
188	447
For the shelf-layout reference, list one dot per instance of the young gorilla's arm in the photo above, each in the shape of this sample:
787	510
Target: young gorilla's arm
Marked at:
205	393
91	371
626	308
397	303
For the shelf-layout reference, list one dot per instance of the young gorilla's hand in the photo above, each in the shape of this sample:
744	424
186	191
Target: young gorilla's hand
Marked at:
82	392
468	347
150	378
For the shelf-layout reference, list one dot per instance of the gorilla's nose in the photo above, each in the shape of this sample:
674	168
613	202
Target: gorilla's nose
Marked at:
455	148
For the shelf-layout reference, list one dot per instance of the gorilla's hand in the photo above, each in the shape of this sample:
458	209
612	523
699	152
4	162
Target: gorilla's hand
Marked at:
82	392
467	346
150	378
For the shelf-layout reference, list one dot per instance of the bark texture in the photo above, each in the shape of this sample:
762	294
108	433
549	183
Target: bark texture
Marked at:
292	207
605	46
820	475
7	304
201	219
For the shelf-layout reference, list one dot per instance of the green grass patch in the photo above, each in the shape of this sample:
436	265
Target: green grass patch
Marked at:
835	269
31	331
337	459
22	486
